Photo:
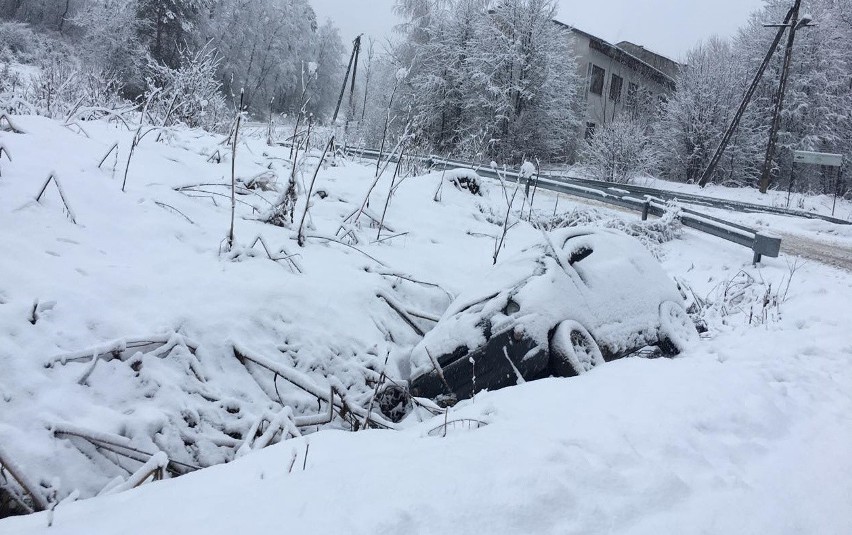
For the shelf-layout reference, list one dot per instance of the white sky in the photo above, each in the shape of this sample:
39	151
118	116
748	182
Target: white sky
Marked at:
669	27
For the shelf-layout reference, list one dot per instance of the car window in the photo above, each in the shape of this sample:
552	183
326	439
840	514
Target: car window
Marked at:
579	254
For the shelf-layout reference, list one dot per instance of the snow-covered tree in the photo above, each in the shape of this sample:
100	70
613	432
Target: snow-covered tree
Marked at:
619	152
816	107
166	25
709	87
109	39
819	91
490	79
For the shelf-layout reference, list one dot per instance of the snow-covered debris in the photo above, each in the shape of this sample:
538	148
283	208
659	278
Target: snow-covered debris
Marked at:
528	169
145	313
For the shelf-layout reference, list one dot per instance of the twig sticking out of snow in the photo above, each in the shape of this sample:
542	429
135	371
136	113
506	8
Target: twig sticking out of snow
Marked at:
154	467
284	422
390	192
112	149
80	129
366	201
4	151
290	258
398	307
305	462
173	209
300	235
460	423
233	170
334	240
40	503
345	409
119	445
114	349
137	137
52	177
498	244
9	125
366	424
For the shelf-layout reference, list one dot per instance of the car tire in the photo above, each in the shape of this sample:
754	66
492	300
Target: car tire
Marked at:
573	350
677	332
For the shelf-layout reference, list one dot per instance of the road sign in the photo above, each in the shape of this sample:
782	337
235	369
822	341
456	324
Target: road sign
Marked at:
818	158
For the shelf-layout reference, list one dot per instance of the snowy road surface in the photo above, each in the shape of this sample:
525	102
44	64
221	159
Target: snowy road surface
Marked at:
832	254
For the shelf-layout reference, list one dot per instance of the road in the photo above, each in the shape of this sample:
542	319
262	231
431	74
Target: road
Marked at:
833	254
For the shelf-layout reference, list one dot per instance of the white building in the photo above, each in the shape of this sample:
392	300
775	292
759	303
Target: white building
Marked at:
622	78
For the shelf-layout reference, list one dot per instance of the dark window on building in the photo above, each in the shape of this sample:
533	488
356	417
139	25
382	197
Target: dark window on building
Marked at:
615	87
597	80
632	94
590	131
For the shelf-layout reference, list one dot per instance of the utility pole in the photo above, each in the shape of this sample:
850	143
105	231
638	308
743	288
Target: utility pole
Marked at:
768	168
353	58
726	138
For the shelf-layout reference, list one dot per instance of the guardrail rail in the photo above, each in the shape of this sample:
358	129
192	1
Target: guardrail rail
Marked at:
629	197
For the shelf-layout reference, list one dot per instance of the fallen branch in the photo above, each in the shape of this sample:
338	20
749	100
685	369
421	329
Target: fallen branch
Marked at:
397	307
40	502
116	348
10	126
173	209
119	445
334	240
303	382
154	467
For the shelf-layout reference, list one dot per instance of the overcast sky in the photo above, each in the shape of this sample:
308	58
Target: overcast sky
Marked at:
669	27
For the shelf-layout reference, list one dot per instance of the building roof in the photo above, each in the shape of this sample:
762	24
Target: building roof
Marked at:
623	56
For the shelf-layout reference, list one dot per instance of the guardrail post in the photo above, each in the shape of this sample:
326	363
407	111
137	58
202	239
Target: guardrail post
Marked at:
765	245
756	259
645	208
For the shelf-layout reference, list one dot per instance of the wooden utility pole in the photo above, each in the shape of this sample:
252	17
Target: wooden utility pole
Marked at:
726	138
353	59
766	177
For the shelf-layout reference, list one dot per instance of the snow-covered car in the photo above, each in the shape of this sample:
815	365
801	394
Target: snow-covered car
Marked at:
581	297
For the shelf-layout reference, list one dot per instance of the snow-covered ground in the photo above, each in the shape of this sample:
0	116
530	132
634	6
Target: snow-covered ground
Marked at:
777	198
748	431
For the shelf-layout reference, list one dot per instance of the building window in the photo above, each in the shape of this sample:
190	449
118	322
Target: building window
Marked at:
597	80
632	94
615	87
590	131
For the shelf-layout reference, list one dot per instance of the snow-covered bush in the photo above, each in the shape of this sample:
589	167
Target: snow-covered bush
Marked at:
619	152
19	43
747	298
188	94
651	233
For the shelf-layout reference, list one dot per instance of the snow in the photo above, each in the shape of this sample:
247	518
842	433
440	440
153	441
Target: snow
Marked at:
746	431
819	204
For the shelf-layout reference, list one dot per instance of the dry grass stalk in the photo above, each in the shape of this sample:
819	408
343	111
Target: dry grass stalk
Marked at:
52	178
233	170
301	235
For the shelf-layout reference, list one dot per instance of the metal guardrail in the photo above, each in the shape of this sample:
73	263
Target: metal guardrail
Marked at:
711	202
641	191
760	244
